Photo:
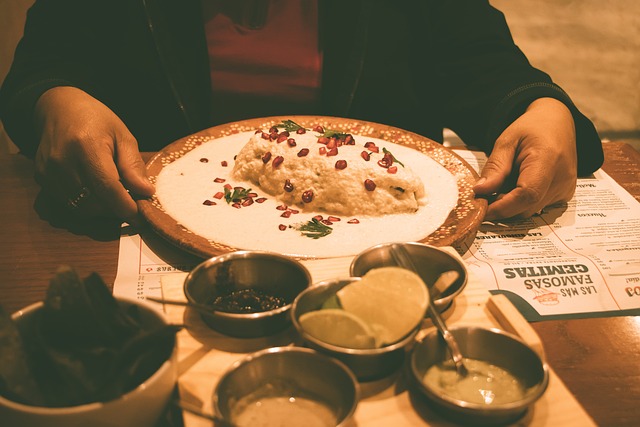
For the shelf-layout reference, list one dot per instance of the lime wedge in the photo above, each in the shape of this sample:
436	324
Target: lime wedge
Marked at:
338	327
392	301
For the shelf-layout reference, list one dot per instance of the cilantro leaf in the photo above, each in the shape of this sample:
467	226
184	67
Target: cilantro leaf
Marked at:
314	229
384	150
289	125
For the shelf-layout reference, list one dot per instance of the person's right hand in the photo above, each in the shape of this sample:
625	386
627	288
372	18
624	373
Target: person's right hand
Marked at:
87	158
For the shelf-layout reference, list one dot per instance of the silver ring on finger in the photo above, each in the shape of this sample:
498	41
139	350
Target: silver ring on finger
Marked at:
74	202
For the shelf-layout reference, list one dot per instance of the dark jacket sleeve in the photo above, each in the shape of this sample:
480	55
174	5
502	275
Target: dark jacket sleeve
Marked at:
53	52
111	49
485	80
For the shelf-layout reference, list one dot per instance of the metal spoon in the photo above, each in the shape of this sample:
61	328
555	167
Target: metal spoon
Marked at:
204	308
403	259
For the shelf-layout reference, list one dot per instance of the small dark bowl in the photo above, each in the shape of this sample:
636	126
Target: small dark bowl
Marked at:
288	372
490	345
366	364
271	273
430	263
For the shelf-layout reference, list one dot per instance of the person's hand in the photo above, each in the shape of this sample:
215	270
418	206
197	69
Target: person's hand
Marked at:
87	158
533	163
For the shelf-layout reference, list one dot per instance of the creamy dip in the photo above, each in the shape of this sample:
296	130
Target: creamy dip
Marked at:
186	188
282	412
485	384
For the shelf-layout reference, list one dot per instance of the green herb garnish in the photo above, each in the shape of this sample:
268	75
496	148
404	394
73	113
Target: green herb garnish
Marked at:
384	150
289	125
314	229
236	195
335	134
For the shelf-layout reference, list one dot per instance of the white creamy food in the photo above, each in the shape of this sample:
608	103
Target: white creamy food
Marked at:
189	189
283	411
333	175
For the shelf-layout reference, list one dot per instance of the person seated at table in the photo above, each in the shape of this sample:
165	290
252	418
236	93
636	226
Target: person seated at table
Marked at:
92	83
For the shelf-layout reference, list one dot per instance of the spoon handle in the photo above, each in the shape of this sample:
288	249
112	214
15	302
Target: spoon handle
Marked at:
199	307
403	259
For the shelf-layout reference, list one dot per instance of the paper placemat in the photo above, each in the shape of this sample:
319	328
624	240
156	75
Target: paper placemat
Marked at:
204	355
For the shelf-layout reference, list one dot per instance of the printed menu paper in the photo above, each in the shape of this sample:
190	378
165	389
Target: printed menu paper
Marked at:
580	259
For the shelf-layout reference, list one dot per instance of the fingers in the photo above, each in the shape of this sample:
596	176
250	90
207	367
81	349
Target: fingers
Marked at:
103	177
498	168
132	168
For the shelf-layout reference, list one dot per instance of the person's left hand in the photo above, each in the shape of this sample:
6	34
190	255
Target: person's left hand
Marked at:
533	163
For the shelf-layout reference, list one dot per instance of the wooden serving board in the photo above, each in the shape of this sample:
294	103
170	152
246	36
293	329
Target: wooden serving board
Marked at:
204	355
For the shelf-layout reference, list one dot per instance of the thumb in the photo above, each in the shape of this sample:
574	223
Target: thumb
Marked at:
497	169
132	167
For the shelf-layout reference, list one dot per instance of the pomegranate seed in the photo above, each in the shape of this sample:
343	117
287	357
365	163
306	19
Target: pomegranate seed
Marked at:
369	185
348	140
307	196
219	180
277	161
204	160
392	169
353	221
258	131
209	203
273	129
369	144
238	188
282	138
301	131
285	132
326	222
318	217
224	163
374	149
286	214
365	155
323	140
282	227
265	136
252	194
386	161
219	195
291	142
236	205
318	129
247	202
322	151
333	143
288	186
282	207
266	157
228	186
261	200
333	218
341	164
332	152
294	211
303	152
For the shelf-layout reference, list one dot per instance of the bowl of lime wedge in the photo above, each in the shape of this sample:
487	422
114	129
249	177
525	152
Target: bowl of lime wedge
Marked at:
367	322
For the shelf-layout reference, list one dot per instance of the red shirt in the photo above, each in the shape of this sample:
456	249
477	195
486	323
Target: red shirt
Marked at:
271	70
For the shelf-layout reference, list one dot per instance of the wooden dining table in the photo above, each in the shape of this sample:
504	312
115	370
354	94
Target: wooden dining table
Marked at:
598	359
